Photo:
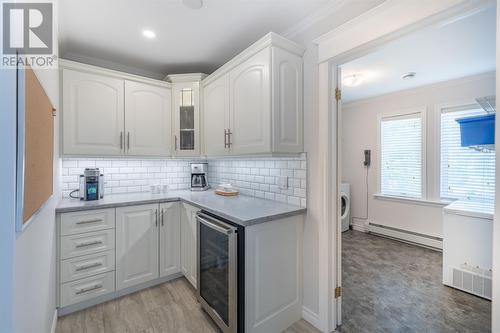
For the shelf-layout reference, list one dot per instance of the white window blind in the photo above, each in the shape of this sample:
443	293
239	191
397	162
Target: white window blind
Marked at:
466	174
401	156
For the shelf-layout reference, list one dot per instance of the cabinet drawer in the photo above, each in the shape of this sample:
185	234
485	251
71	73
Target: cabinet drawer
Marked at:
86	221
88	243
84	266
81	290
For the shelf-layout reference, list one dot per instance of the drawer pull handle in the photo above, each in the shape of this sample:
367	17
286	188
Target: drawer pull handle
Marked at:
89	221
84	267
80	245
85	290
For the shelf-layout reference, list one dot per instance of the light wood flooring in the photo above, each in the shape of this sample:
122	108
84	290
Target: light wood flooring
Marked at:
167	308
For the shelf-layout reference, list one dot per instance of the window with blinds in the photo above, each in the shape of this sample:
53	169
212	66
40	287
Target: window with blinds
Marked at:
401	156
466	174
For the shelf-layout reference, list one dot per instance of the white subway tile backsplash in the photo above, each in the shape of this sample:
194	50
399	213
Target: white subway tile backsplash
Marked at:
259	177
256	177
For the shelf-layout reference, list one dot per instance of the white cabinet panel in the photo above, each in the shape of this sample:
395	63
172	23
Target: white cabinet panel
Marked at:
216	116
92	113
273	275
287	102
147	119
88	288
250	108
87	243
136	245
189	243
170	238
84	266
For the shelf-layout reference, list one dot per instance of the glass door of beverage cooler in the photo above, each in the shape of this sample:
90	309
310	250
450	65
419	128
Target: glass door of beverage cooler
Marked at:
217	270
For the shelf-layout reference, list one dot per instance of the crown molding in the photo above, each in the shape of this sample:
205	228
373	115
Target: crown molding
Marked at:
188	77
318	16
93	61
270	39
82	67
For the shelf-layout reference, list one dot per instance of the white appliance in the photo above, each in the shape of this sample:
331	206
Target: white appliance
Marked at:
468	247
345	199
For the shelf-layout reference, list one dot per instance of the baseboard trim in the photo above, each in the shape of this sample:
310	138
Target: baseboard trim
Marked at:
311	317
54	322
433	243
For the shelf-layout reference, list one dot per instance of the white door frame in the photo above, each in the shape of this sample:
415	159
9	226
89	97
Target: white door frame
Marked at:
360	36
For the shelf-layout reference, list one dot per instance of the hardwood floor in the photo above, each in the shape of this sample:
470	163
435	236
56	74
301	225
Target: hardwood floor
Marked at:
168	308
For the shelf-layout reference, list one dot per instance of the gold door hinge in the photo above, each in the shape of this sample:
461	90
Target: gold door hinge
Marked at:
338	94
338	292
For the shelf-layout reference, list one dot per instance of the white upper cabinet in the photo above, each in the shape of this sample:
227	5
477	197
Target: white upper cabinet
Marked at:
170	238
108	113
93	114
250	108
287	80
254	103
147	119
216	116
136	245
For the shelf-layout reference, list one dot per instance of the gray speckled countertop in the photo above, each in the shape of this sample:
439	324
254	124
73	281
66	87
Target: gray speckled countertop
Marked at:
241	209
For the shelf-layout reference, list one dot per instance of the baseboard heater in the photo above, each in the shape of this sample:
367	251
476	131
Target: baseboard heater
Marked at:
435	243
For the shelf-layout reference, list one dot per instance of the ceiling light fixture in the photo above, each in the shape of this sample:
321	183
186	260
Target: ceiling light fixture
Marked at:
353	80
409	76
150	34
193	4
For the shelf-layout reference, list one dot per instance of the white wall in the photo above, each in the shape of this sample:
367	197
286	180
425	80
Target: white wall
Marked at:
360	130
496	225
304	33
34	258
7	195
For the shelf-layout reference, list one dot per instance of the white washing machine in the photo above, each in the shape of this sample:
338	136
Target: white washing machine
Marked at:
345	213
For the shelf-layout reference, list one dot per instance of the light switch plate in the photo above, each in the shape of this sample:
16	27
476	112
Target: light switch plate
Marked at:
283	182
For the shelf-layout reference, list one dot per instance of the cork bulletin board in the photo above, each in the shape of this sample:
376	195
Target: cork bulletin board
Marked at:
35	153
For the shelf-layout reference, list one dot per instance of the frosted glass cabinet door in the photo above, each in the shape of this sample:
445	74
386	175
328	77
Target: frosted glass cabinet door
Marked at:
92	114
147	119
186	118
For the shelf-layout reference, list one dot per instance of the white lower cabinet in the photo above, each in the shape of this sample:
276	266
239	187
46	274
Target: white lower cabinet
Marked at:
170	238
189	246
136	245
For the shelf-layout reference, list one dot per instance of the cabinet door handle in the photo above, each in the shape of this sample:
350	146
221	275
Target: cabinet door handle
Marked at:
229	143
162	217
80	245
225	138
156	217
84	267
89	221
121	141
128	141
175	144
85	290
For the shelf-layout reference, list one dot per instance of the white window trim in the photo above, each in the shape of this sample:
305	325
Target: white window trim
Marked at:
405	112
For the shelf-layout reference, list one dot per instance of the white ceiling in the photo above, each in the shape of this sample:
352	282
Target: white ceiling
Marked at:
449	51
109	33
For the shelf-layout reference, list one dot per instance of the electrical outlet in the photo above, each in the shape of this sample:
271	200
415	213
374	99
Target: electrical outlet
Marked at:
283	182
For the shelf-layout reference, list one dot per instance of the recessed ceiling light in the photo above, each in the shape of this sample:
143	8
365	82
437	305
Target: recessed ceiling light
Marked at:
409	76
148	33
352	80
193	4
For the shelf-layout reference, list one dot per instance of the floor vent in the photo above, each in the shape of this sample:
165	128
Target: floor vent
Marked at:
471	282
